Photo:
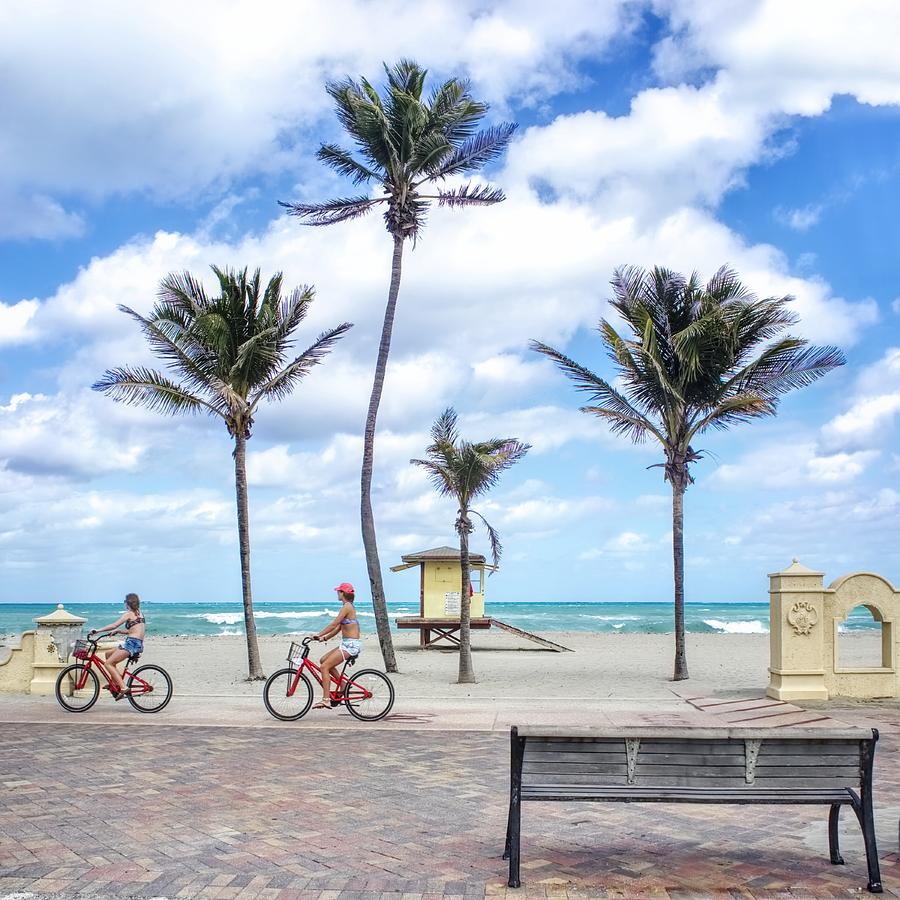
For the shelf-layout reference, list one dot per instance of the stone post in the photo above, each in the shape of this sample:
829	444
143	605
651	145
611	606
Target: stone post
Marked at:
796	630
52	639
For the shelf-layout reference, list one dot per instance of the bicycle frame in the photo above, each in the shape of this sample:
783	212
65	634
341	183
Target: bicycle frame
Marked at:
341	686
137	686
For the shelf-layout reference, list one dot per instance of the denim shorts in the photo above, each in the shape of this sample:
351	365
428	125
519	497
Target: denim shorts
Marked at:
132	646
351	647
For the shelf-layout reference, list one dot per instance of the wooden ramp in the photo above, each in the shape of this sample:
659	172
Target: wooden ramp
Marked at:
550	645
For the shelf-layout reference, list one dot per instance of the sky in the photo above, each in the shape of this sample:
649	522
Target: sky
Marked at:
149	139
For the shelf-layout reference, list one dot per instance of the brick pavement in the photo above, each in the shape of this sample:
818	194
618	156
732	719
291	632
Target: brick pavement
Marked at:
260	813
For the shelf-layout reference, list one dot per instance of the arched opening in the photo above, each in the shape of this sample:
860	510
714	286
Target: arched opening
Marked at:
864	641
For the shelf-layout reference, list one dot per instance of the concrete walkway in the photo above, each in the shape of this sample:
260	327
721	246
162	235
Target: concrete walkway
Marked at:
212	798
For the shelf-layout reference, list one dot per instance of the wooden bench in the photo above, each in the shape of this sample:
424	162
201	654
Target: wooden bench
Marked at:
696	765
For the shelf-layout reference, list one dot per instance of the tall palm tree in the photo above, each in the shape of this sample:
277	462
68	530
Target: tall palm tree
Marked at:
405	145
465	471
698	357
229	353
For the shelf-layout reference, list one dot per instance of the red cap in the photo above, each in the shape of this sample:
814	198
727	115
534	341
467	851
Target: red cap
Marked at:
346	587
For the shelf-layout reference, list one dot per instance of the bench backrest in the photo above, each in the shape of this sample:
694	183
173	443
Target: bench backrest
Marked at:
686	757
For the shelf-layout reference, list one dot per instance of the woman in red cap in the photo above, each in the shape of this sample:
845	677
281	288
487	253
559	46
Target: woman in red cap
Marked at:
347	623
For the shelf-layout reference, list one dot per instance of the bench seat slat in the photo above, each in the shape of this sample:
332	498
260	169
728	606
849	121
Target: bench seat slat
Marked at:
683	780
663	794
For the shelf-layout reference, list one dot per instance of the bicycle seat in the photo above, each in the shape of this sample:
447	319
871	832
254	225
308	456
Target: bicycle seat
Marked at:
350	662
134	659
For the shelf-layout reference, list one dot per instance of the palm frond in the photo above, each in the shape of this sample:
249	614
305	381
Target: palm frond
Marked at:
344	164
190	358
441	477
330	212
470	195
140	386
445	430
493	537
477	151
738	408
284	382
787	365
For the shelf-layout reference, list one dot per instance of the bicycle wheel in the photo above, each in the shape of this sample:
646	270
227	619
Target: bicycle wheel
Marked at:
279	703
68	694
152	688
369	695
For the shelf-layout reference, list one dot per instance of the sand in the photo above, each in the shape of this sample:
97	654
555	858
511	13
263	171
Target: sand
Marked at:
601	666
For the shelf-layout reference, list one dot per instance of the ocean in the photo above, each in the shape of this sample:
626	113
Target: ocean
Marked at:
212	619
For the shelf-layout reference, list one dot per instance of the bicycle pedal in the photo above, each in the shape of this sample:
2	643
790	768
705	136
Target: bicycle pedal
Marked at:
335	703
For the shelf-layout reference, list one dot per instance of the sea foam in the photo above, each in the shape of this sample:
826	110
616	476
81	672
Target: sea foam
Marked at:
754	627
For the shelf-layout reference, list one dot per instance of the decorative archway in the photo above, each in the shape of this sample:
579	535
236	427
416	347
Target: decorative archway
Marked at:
804	619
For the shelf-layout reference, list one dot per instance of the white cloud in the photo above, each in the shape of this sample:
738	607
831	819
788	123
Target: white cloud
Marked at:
188	97
895	306
801	219
36	216
793	57
61	436
874	407
15	320
791	463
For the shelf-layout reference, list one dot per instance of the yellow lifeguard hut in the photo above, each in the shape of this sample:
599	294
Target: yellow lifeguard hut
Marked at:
440	577
440	580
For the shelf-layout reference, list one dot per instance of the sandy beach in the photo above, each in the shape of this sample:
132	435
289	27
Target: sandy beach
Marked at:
600	666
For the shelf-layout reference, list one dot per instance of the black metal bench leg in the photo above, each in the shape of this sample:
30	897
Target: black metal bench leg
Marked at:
514	822
833	840
866	814
514	835
508	832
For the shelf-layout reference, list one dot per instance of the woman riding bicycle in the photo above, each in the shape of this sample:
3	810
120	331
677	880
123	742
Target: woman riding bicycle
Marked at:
133	622
347	623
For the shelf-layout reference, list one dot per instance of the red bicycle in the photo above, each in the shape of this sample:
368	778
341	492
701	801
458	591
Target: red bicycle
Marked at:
288	693
148	688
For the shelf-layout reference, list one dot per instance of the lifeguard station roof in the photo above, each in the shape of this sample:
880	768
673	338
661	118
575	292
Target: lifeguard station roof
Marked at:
437	554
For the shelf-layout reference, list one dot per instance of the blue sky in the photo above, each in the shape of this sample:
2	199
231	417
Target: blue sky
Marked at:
672	132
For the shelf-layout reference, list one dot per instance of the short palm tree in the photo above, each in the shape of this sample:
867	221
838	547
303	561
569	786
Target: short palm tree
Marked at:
229	353
465	471
406	146
698	357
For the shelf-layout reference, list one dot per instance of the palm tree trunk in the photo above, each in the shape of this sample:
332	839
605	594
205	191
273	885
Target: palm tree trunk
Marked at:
243	513
367	520
466	670
678	487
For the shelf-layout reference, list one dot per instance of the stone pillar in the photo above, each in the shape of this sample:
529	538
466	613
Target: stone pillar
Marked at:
796	629
52	638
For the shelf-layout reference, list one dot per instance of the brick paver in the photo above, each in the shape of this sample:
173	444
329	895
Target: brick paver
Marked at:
172	811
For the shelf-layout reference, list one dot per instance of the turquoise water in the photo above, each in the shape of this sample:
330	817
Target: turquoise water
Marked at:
203	618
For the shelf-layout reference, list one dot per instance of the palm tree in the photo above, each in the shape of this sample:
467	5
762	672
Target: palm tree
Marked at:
229	353
689	366
465	471
404	144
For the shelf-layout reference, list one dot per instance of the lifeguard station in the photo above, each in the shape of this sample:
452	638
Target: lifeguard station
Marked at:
440	577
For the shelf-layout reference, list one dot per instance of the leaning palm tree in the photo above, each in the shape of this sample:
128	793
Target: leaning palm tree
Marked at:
406	145
465	471
229	353
698	357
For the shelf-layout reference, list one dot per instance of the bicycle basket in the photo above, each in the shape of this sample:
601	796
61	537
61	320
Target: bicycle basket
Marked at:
295	654
82	650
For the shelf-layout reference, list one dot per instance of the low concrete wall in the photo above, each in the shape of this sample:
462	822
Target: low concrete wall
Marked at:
16	670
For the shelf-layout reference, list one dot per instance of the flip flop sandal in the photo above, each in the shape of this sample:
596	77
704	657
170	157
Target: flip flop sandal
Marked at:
322	704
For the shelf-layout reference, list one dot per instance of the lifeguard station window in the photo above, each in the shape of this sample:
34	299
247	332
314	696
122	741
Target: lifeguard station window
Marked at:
475	580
